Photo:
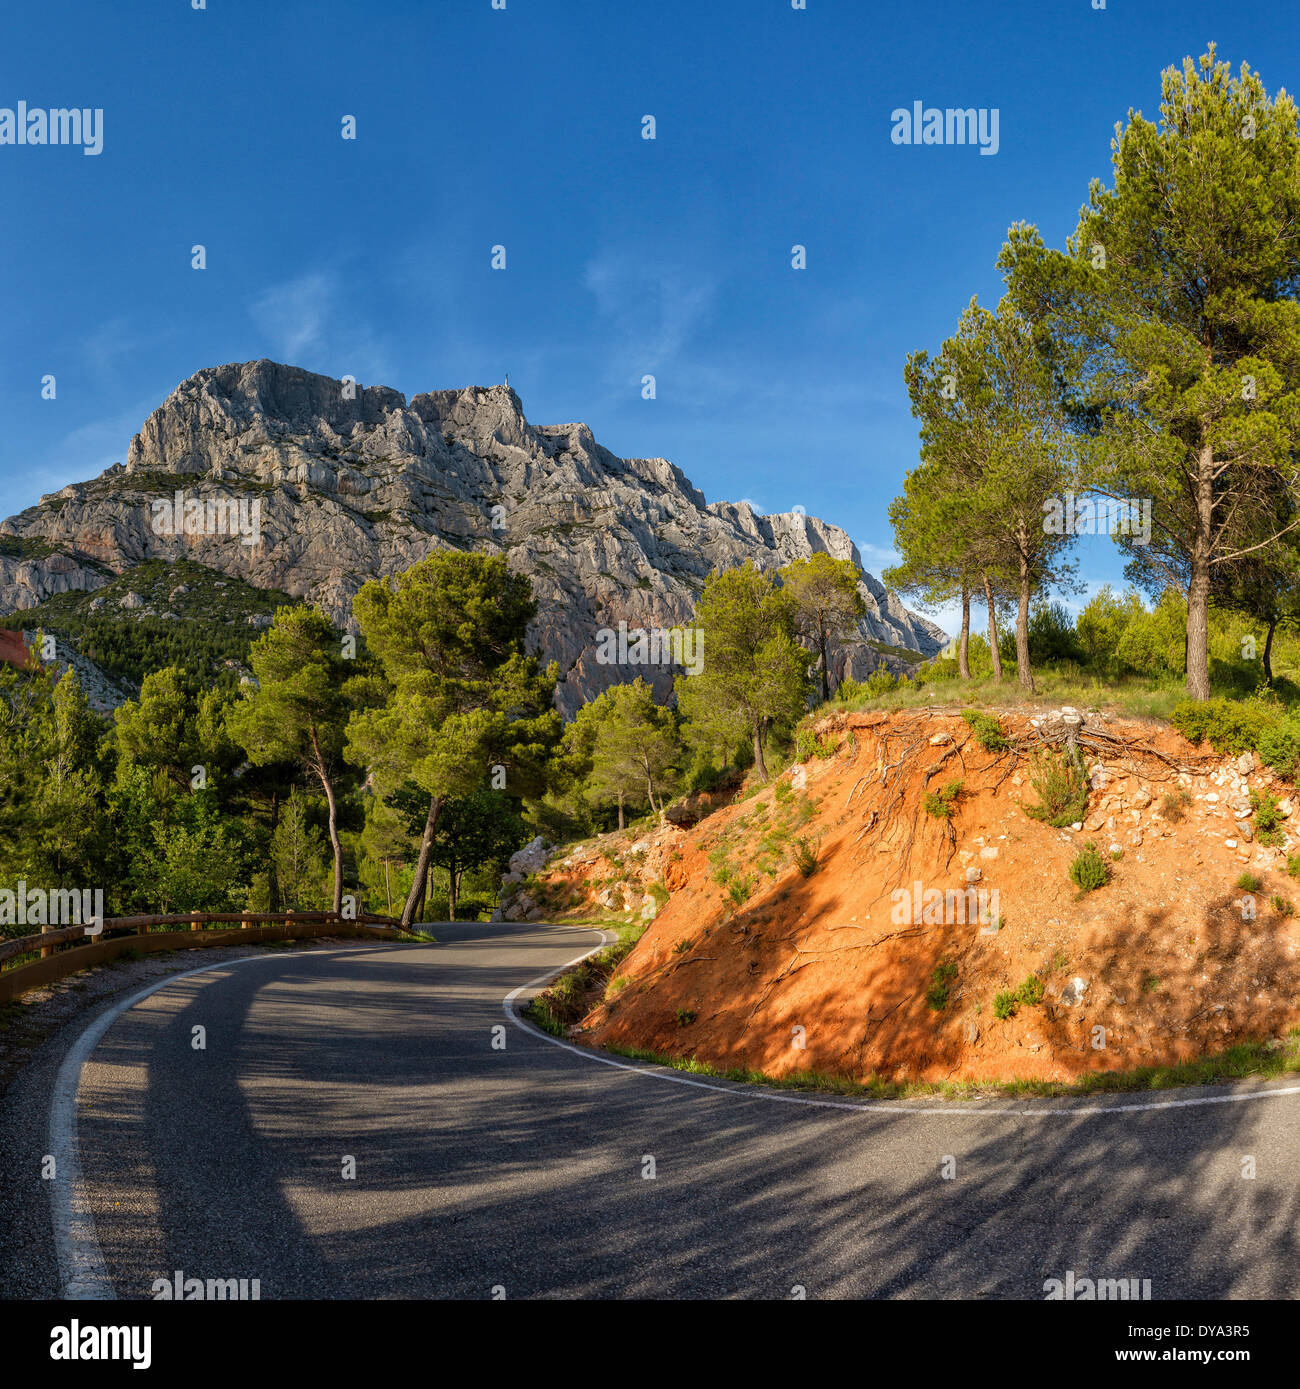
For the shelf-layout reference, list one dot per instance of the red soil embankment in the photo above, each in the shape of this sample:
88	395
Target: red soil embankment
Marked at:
752	964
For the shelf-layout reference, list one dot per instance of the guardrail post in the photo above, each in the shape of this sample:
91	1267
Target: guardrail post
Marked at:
194	922
46	950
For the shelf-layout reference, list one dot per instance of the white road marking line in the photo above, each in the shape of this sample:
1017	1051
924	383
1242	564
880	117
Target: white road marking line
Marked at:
82	1272
956	1109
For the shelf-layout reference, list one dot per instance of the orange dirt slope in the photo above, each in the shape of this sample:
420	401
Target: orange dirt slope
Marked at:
750	963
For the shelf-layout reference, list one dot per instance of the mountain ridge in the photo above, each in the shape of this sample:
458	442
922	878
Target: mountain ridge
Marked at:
356	482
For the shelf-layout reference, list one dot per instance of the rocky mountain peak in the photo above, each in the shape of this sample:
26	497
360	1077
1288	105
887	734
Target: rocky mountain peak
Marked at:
351	482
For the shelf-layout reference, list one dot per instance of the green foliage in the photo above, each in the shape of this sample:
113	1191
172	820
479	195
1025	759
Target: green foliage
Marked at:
987	730
1176	287
805	857
208	638
755	675
936	996
879	682
1229	726
942	805
741	888
1283	906
1268	819
827	605
1089	870
1004	1005
1062	789
1029	993
685	1016
1250	883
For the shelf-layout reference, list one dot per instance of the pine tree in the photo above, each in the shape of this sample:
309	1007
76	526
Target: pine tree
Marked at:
1173	309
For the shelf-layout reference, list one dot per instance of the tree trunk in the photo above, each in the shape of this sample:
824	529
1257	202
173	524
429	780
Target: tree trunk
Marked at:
963	646
759	763
620	810
1268	653
335	843
993	632
453	880
272	877
826	666
1198	588
416	895
388	891
1023	673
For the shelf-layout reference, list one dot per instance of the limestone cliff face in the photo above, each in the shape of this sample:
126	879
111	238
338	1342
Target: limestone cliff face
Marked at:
352	483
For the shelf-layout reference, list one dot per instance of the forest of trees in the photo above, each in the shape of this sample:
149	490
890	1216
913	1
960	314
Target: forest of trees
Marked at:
404	763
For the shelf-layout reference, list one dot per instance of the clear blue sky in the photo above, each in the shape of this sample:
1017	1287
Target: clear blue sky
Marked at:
624	256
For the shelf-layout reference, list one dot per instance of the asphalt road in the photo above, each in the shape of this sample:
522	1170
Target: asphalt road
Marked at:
524	1169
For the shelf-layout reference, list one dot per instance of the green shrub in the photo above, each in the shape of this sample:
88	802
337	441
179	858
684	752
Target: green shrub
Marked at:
1089	871
1268	819
1283	906
1004	1005
685	1016
1279	747
850	691
880	682
1062	789
988	731
741	889
805	857
1229	726
1250	883
682	947
943	804
805	745
783	792
940	981
1030	992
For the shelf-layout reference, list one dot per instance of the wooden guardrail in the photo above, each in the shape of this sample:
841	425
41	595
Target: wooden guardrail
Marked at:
46	941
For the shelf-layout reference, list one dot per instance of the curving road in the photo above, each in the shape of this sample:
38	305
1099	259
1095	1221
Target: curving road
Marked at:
523	1168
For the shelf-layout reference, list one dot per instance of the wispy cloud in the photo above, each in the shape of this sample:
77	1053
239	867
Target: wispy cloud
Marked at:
293	315
652	310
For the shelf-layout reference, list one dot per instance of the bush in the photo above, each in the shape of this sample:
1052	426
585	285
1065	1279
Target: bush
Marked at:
1268	819
936	995
685	1016
740	889
1229	726
1004	1006
850	691
1250	883
1062	789
805	857
943	804
988	731
1283	906
1030	992
880	682
1089	871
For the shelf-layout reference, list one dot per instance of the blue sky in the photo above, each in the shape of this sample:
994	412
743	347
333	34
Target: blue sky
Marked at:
522	127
